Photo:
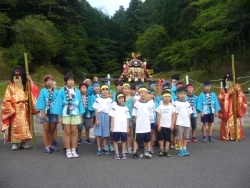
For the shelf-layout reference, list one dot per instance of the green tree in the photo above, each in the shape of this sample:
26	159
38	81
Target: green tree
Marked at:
14	56
39	36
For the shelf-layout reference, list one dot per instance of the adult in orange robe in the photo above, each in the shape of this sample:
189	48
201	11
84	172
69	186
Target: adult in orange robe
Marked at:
227	127
15	109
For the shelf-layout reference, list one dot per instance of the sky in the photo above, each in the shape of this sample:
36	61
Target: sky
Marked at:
110	6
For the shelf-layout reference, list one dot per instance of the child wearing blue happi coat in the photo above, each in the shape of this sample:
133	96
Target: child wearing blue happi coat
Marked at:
208	105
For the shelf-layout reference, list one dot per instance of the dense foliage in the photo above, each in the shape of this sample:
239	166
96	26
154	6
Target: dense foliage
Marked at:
78	37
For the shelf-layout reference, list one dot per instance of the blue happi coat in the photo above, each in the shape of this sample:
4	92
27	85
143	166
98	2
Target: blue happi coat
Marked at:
206	108
43	102
62	104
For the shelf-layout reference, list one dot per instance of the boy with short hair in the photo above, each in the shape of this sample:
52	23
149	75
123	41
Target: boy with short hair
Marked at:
208	105
129	103
193	101
142	111
183	111
86	116
165	119
120	124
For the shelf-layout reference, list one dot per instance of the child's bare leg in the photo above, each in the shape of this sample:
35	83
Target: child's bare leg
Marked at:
98	142
104	142
161	144
129	138
135	147
210	129
116	147
123	147
87	133
79	134
204	129
148	145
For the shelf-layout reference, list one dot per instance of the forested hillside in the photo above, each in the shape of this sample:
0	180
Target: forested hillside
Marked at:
170	34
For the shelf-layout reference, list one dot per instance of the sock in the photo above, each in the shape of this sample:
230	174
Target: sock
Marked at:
68	151
47	147
183	148
73	149
209	137
99	149
161	149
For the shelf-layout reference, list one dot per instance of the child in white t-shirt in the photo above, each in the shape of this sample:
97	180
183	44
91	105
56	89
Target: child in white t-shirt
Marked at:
183	112
165	120
142	111
120	124
102	106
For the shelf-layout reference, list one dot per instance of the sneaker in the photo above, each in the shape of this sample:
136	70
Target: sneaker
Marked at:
137	156
145	150
129	150
181	153
79	141
152	150
111	147
99	152
210	139
160	153
176	147
204	139
117	156
194	139
52	148
188	141
148	155
69	155
124	156
168	154
24	145
14	146
185	152
47	150
55	143
107	152
75	155
88	142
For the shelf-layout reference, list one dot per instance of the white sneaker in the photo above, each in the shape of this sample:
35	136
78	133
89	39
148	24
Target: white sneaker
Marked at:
14	146
24	145
73	152
148	155
69	155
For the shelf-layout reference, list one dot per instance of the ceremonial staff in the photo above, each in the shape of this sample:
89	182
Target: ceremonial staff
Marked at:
234	101
30	103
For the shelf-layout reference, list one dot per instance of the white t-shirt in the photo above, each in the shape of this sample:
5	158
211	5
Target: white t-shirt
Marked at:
102	104
152	118
166	114
183	109
143	111
121	116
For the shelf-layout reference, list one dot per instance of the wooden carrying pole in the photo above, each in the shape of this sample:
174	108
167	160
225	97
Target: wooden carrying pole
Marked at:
30	103
234	101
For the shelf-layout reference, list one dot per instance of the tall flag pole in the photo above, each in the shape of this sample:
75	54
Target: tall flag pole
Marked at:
234	101
30	103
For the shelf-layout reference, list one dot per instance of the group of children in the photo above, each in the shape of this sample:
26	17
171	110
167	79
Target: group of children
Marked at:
133	115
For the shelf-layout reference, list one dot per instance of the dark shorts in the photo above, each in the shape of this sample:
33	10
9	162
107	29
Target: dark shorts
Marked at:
119	135
175	132
86	123
143	137
51	118
193	122
207	118
153	126
165	134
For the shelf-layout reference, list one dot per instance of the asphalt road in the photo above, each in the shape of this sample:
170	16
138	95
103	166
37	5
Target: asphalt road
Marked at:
211	165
